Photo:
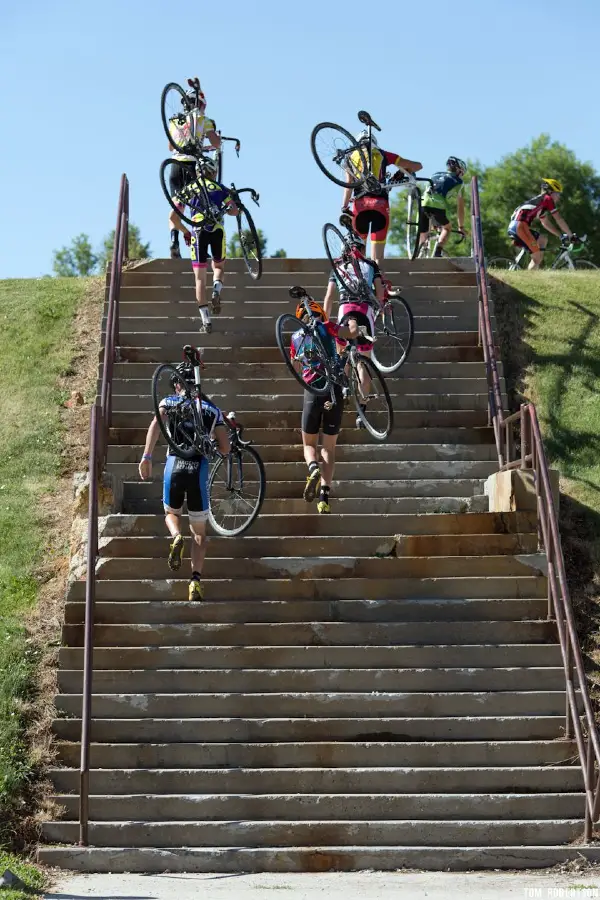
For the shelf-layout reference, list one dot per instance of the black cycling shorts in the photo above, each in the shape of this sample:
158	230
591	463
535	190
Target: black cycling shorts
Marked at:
431	216
181	174
205	241
186	478
316	418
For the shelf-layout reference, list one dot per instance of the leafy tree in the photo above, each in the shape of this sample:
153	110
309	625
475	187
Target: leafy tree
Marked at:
77	258
234	248
136	250
279	254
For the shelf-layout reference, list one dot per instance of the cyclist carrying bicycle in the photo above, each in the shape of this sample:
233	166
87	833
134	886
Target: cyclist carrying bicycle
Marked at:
186	478
540	207
197	127
434	204
371	211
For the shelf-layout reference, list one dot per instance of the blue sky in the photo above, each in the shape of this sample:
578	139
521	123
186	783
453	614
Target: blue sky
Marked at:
82	81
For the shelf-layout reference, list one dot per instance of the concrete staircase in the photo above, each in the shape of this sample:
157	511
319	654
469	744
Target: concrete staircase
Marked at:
374	689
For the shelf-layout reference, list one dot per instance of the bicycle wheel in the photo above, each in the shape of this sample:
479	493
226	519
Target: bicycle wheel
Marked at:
296	340
394	333
371	398
584	264
336	247
338	155
249	243
413	216
502	262
236	491
177	116
182	427
189	191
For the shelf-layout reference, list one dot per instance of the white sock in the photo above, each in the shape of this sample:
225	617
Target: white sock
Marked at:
217	286
204	315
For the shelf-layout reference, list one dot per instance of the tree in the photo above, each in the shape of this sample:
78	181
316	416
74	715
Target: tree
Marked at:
279	254
234	248
77	258
136	250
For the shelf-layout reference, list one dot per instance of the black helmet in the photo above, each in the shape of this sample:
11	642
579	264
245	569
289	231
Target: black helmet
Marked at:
455	164
186	374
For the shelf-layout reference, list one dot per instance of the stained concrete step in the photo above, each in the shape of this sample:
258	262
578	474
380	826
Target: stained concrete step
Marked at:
484	523
317	858
174	681
252	547
224	348
316	834
299	521
540	760
236	302
318	276
288	265
223	332
326	781
163	612
274	291
222	657
302	633
265	418
274	367
533	726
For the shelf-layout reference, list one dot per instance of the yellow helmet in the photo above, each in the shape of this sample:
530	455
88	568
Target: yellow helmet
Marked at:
551	184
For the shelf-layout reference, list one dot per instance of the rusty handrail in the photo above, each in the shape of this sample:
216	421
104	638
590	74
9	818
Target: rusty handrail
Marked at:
100	422
579	723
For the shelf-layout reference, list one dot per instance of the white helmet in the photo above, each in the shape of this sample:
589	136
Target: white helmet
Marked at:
363	137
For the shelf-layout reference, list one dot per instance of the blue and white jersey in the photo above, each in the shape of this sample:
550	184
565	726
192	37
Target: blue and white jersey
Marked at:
211	414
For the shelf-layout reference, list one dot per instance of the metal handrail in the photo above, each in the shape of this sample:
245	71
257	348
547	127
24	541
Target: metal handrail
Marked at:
579	724
100	422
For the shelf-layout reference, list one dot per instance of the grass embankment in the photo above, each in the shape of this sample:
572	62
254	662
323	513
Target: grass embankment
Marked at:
549	331
41	336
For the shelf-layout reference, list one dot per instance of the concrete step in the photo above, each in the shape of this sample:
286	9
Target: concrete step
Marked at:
223	657
173	681
532	726
326	781
484	523
265	418
274	512
221	347
274	367
253	547
541	761
316	834
302	633
287	265
163	612
311	858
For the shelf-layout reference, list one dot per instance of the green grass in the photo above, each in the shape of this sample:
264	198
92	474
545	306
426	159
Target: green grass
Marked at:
35	880
35	349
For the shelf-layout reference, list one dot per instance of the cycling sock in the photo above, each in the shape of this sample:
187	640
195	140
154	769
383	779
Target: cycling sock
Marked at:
217	287
312	466
324	492
204	315
196	576
438	251
174	236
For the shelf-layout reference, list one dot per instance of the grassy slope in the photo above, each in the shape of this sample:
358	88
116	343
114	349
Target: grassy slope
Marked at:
35	350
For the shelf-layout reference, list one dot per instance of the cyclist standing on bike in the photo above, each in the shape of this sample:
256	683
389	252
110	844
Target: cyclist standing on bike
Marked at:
186	479
371	210
434	208
196	128
540	207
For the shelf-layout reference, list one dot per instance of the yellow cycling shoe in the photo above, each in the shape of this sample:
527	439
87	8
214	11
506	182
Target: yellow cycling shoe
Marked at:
313	484
323	506
176	553
195	590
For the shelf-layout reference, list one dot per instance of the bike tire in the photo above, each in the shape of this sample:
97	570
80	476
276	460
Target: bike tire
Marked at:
502	262
358	174
381	428
334	240
584	264
251	504
249	243
394	329
167	105
286	324
413	218
170	432
164	183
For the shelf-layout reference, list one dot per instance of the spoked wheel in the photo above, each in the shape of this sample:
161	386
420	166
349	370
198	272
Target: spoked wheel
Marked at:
413	214
338	253
178	116
371	398
182	427
394	333
502	262
295	340
338	155
236	489
584	264
249	243
173	173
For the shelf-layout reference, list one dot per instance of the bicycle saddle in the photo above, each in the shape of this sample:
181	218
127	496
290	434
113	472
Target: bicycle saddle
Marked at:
297	292
365	118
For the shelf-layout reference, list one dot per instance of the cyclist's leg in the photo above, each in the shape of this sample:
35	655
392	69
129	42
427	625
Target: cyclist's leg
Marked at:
178	176
198	502
199	256
332	423
312	413
424	225
380	223
525	235
218	249
173	496
442	220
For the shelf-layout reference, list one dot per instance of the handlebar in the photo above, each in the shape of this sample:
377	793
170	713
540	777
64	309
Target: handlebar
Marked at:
254	194
238	143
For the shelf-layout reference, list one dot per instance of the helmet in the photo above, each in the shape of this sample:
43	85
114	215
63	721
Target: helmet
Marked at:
314	307
186	373
551	185
193	99
209	167
455	164
363	136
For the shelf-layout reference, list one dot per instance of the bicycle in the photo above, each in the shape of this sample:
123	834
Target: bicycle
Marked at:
352	373
237	480
427	249
566	256
393	319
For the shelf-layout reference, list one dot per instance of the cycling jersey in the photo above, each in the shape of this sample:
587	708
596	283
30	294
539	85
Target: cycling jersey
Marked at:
211	416
380	160
442	184
534	209
368	269
194	128
219	197
302	348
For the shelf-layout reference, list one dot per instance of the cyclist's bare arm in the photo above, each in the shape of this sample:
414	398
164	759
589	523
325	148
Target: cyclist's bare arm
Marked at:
213	139
409	165
347	193
379	290
329	297
222	439
561	224
549	226
145	465
460	212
